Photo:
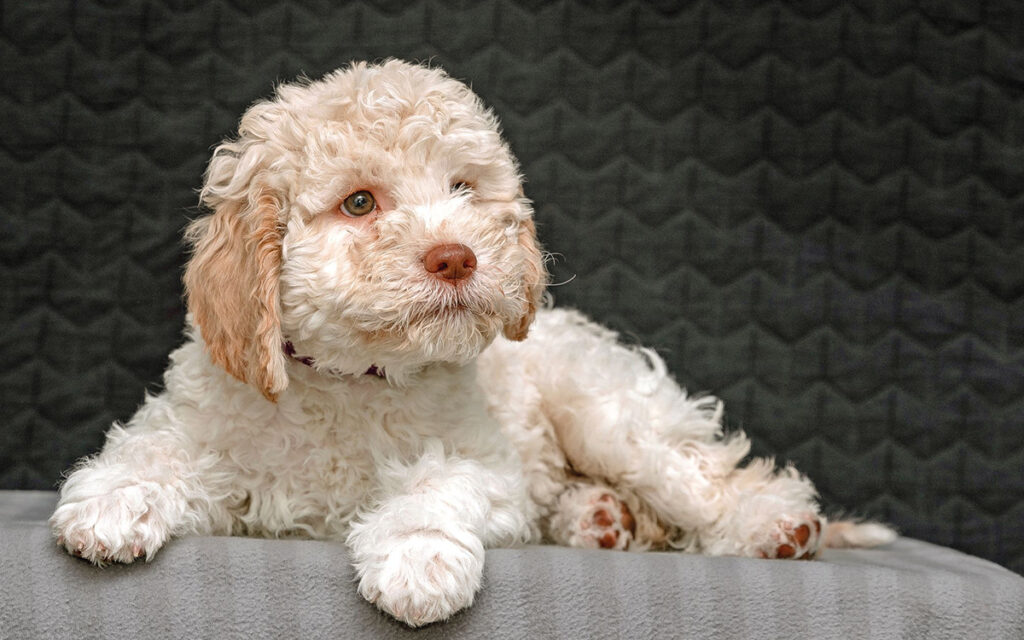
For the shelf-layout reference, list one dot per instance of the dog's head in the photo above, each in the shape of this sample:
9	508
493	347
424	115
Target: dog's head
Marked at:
374	218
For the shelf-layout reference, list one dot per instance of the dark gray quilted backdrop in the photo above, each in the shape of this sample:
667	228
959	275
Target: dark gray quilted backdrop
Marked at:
816	211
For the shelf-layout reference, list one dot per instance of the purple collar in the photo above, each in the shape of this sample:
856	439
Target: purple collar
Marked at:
289	350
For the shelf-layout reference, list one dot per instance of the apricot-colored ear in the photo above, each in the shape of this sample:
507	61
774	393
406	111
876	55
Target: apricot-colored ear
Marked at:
534	281
231	284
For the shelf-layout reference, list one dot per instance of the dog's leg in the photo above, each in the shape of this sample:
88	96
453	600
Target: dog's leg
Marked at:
773	514
621	419
419	552
618	417
125	502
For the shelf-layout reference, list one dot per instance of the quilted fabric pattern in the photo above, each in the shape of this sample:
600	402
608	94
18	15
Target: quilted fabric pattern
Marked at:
812	209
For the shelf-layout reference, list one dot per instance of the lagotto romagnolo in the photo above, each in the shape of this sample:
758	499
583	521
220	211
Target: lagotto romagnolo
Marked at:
368	359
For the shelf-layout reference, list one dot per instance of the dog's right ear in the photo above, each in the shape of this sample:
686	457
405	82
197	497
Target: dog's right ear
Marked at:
231	281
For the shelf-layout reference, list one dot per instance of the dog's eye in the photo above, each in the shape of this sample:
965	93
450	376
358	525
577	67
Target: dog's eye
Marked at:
460	186
359	204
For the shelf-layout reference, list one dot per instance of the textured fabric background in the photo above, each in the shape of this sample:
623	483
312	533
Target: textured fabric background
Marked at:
812	209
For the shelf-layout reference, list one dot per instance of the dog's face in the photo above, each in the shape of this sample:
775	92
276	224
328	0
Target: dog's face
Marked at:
372	218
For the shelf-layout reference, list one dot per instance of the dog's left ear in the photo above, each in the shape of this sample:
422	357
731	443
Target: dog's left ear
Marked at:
535	279
231	281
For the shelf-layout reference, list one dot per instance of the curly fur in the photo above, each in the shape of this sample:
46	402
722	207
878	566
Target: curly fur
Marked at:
476	435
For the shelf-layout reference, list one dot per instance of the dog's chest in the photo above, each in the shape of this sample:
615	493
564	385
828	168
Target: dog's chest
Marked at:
309	463
323	448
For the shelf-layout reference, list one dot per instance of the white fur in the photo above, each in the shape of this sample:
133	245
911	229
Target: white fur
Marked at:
472	440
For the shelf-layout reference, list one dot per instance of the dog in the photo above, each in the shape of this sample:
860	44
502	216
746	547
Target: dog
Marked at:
369	357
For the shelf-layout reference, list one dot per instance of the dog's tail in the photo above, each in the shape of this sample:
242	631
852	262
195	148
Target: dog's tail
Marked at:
845	534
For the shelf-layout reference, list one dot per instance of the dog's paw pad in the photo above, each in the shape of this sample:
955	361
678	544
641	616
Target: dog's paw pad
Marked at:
609	524
798	538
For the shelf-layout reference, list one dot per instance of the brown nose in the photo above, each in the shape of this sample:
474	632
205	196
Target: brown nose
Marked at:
450	262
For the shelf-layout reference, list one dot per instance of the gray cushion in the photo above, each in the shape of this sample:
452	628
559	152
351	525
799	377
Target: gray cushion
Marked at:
210	587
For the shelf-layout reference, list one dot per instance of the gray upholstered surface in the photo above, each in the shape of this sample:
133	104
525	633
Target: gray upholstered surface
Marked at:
206	587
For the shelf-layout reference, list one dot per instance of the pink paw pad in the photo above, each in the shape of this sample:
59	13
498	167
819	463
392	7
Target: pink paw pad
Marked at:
610	524
800	540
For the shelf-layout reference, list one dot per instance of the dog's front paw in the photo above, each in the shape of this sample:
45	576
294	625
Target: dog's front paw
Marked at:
422	578
115	527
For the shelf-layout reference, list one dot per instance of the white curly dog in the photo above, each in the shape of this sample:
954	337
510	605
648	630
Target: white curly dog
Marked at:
357	368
